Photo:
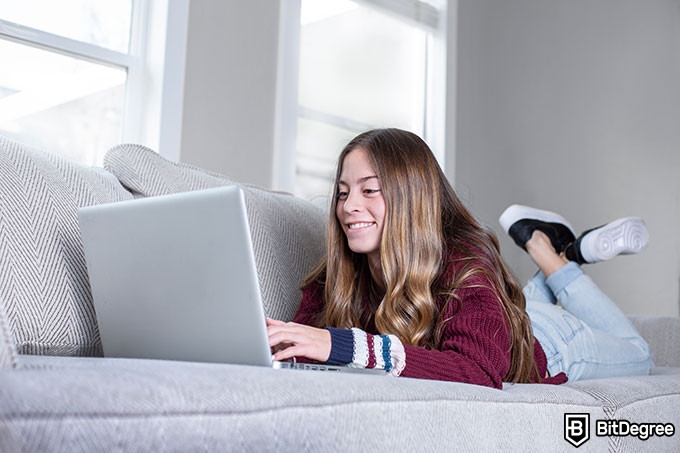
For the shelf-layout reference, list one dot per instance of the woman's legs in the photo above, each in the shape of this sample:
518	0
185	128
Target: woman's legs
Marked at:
589	336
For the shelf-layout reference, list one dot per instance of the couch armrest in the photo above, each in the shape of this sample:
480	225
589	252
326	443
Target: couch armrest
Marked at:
8	354
663	336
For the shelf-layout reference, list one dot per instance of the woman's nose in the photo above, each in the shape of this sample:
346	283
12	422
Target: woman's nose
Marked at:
352	202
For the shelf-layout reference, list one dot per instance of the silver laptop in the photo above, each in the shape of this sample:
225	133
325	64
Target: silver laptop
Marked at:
174	277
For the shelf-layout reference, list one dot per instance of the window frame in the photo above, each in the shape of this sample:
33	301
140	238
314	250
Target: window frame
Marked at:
154	88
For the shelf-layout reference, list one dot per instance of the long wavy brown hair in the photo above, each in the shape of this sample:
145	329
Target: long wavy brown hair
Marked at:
424	223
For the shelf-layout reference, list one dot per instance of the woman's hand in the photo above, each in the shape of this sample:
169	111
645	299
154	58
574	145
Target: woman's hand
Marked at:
289	340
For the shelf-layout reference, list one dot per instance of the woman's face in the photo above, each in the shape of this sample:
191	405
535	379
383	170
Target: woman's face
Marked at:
361	206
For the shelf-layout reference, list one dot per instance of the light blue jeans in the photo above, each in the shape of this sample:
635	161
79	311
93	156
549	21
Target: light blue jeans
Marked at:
586	335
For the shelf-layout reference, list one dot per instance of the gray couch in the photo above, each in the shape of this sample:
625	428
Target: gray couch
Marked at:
58	394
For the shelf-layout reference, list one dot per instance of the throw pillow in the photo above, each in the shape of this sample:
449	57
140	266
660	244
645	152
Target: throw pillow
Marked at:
145	173
288	232
43	277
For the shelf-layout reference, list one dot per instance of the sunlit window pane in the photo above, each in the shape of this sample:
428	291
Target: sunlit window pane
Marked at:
359	68
318	147
60	104
104	23
364	65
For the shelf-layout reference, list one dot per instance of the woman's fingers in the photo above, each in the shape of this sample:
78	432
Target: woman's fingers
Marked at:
286	354
297	340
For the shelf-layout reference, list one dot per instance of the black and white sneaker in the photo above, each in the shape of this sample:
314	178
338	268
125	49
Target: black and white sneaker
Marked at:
624	236
521	221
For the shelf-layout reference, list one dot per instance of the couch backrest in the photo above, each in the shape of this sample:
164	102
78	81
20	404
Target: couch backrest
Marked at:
662	334
45	299
288	232
44	289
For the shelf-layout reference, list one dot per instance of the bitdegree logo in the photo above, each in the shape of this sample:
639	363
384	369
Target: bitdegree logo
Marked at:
643	431
577	429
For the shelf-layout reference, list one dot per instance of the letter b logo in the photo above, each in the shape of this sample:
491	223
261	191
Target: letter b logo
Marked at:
576	428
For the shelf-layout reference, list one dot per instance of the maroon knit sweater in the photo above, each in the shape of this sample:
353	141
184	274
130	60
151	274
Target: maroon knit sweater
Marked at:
475	345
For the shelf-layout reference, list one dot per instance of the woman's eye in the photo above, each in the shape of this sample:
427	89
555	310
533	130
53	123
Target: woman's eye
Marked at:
371	191
342	195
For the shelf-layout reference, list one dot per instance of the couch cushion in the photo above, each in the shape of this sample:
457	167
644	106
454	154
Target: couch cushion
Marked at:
639	399
8	356
87	404
43	279
288	232
92	404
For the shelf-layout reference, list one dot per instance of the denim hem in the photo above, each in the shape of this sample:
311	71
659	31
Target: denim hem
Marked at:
560	279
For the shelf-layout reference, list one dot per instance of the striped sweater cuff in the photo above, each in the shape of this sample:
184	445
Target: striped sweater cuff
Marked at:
358	349
342	346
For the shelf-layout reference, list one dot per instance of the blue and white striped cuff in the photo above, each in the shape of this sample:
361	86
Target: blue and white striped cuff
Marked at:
358	349
378	351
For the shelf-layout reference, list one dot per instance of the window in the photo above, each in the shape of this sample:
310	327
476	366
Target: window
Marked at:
361	65
66	71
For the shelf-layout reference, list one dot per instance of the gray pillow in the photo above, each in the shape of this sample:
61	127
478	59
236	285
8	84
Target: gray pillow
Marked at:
288	232
43	278
145	173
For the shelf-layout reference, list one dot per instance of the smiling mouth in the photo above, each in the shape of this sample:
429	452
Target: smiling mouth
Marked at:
359	225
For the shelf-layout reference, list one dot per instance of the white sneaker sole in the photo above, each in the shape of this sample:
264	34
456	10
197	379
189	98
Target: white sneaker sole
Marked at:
517	212
624	236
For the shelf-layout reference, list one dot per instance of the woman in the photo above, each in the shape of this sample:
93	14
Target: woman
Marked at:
411	283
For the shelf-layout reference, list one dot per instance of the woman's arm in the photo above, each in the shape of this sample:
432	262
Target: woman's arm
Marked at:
474	346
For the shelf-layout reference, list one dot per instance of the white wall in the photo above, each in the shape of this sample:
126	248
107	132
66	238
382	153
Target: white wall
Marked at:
575	106
230	88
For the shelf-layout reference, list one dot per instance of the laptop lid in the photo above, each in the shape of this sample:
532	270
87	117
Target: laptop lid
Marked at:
174	277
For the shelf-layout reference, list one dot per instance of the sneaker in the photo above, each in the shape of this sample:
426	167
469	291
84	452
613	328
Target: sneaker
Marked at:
624	236
521	221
